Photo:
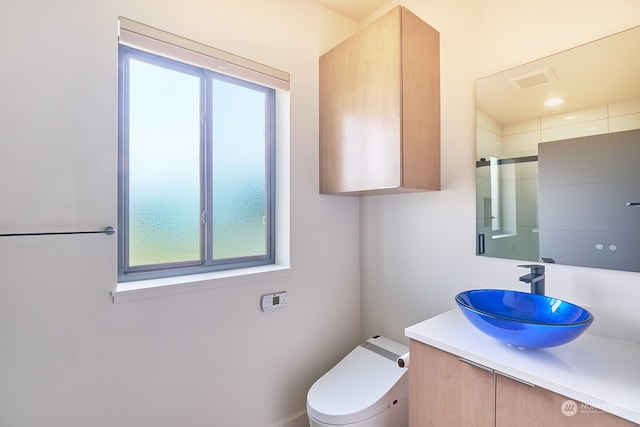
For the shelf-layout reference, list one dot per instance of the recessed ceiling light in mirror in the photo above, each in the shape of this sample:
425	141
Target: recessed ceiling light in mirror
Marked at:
553	102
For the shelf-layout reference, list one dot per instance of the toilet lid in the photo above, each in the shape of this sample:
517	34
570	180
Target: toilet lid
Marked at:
360	386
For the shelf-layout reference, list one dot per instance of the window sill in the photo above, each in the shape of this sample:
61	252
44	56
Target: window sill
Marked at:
153	288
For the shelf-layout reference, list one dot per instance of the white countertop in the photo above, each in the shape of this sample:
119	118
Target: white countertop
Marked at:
601	372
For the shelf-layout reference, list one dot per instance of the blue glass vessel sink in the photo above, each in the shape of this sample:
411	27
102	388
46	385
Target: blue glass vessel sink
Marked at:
523	319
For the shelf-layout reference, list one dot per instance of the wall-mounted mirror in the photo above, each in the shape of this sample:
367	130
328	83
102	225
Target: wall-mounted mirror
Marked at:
561	182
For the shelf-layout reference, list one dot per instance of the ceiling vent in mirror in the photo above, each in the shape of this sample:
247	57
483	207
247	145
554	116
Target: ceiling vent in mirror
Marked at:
540	77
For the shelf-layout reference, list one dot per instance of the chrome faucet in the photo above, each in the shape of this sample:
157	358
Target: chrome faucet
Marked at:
536	278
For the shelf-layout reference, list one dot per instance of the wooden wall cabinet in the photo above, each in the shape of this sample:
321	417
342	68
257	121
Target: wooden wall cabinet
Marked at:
445	390
380	109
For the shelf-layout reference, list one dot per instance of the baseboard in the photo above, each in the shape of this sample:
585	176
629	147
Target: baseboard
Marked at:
300	420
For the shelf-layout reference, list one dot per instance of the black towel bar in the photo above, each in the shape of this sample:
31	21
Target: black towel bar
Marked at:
108	231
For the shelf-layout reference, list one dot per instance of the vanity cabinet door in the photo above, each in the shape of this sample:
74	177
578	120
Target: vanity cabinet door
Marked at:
445	391
526	406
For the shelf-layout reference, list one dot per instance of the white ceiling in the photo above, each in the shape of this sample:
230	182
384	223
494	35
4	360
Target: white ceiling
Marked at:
354	9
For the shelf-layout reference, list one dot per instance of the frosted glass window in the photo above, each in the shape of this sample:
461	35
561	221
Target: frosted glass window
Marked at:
196	169
164	152
239	184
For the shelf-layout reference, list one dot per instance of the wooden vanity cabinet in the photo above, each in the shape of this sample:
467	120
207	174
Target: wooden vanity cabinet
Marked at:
380	109
445	390
536	406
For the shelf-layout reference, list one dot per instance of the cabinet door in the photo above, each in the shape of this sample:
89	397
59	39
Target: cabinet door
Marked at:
526	406
360	110
444	391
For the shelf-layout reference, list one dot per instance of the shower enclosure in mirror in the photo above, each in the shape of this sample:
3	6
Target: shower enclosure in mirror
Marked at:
561	182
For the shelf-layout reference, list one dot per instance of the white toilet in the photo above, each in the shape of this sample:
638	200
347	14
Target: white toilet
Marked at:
365	389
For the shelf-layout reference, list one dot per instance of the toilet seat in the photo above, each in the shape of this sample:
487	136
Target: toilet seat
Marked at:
362	385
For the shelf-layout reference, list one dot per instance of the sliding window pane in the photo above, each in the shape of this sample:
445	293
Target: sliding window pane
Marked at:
164	171
239	184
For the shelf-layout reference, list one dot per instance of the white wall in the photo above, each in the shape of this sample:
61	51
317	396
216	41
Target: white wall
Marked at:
418	250
69	357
